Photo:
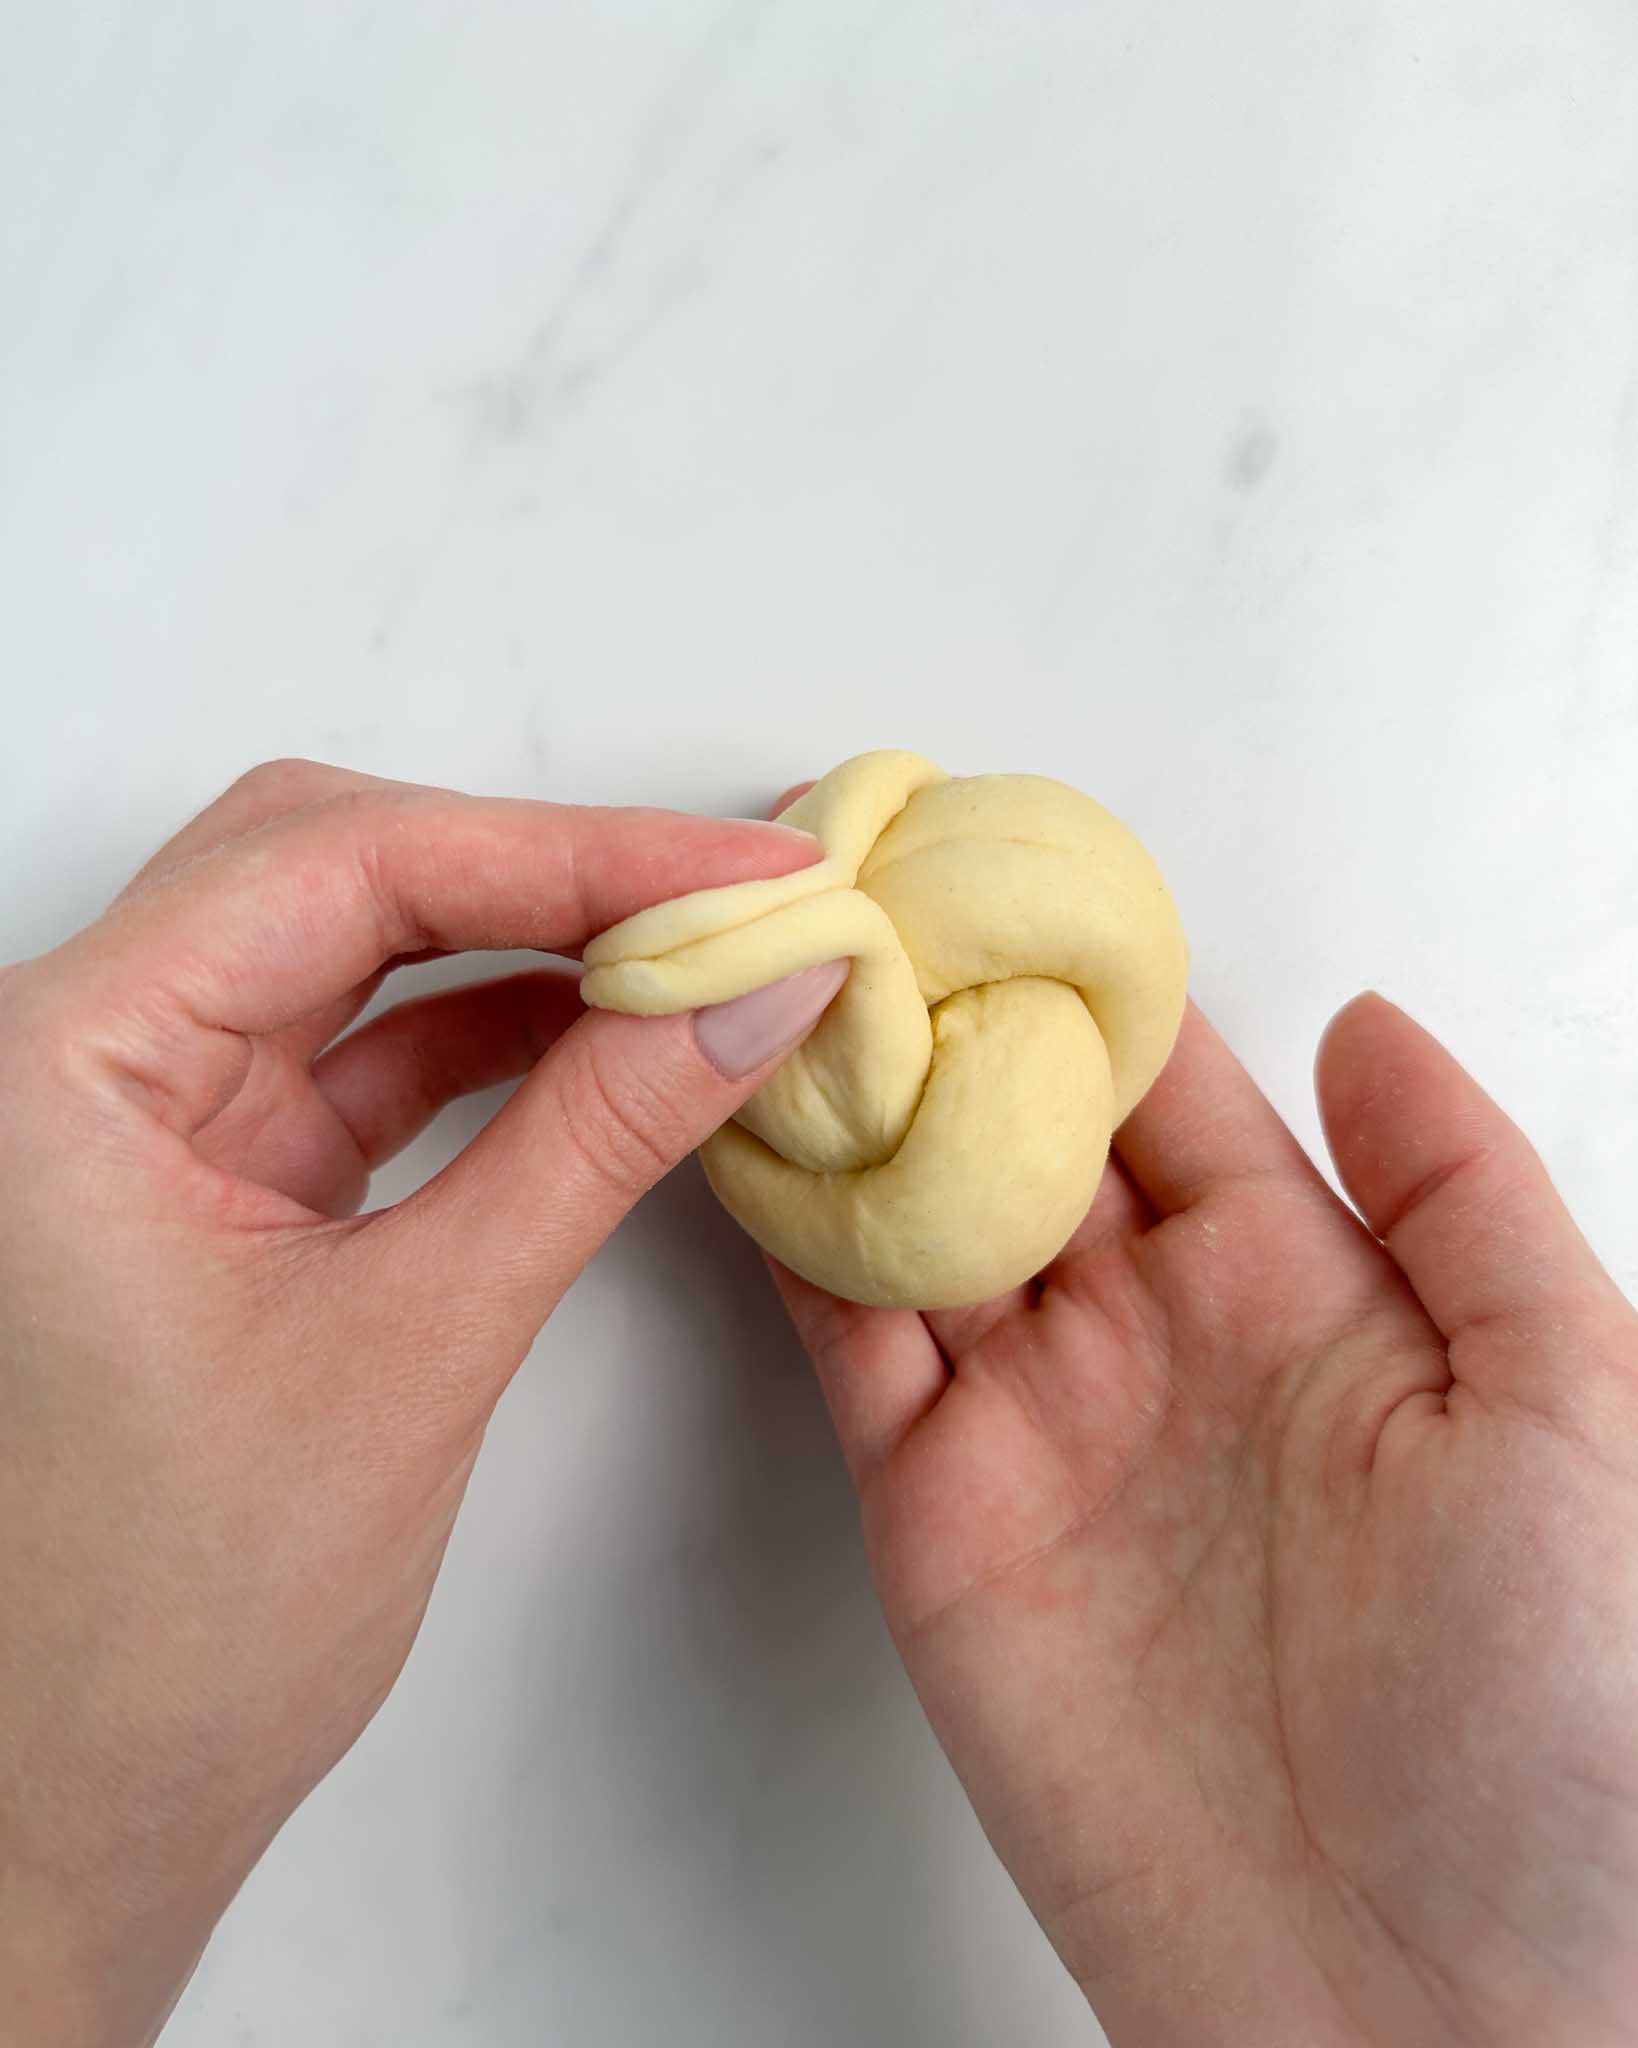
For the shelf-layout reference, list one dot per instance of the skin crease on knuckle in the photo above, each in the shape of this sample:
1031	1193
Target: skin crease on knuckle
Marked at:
270	790
620	1120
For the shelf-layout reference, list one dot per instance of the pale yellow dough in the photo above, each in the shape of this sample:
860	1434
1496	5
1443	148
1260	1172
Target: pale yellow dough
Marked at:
1018	981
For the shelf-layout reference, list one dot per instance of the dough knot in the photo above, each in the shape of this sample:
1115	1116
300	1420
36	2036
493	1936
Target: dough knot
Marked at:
1017	983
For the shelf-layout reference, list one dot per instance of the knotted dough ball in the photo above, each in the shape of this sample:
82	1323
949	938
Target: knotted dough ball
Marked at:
1017	983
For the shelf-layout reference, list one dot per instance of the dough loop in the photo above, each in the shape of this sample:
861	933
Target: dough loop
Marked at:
1018	981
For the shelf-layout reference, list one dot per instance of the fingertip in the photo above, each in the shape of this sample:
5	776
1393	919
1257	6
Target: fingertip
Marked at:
763	827
1448	1181
1341	1043
1359	1004
758	848
783	803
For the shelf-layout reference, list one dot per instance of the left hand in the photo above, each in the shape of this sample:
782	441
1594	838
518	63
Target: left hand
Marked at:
237	1419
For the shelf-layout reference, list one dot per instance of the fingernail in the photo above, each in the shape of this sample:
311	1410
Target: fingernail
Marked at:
773	825
738	1036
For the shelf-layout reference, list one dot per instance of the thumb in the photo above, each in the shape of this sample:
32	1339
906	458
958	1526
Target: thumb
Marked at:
611	1108
1461	1200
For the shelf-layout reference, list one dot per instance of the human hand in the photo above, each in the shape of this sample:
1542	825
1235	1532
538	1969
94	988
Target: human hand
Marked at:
1271	1580
236	1419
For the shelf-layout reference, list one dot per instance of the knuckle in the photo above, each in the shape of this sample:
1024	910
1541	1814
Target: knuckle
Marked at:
621	1125
289	778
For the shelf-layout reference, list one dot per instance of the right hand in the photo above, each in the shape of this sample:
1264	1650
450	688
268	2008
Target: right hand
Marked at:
1271	1578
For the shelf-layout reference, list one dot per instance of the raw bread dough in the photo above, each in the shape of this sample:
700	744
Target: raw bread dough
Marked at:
1018	981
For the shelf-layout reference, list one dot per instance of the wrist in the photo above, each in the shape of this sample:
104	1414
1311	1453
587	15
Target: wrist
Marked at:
1195	1969
1162	1998
98	1965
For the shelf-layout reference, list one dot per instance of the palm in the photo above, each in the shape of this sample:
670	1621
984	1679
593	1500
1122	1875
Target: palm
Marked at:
1252	1634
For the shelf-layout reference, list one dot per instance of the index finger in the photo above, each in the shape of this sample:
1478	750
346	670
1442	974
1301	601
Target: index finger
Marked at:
1205	1125
283	919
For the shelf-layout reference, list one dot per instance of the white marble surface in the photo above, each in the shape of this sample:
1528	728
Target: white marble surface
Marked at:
1231	406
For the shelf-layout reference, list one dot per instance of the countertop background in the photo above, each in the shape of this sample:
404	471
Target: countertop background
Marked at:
1231	407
